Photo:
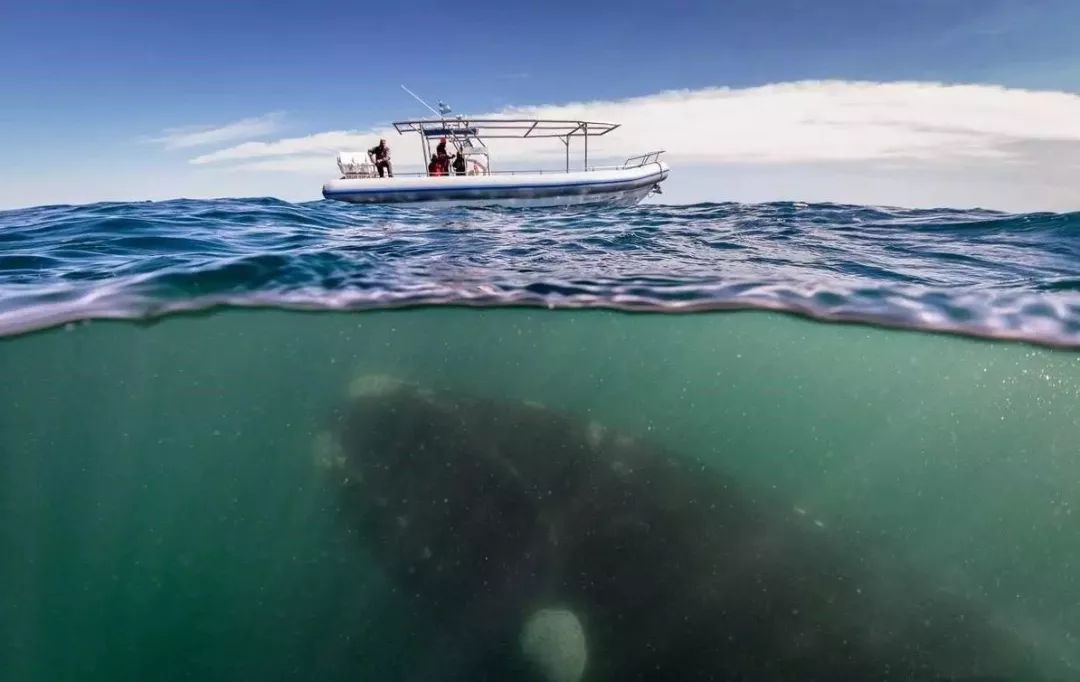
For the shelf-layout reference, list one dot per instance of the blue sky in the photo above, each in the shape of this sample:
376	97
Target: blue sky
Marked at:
97	82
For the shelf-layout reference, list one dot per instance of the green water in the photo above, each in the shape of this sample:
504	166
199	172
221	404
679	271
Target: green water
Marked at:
162	518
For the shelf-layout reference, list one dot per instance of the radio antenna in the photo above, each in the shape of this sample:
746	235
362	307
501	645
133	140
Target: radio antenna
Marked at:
417	98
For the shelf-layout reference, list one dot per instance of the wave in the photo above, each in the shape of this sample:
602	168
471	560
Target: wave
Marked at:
974	272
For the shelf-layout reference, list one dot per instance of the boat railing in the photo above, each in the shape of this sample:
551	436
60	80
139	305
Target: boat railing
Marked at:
632	162
424	174
642	159
472	174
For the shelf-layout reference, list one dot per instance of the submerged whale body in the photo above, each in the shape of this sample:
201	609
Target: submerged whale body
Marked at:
545	547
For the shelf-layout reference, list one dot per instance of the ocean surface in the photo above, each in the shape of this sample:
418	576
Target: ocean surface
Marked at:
979	272
885	401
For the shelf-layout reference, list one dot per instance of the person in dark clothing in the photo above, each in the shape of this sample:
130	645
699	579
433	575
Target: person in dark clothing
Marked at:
444	157
380	156
459	164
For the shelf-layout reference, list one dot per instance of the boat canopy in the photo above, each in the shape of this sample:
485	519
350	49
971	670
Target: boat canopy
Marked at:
505	127
468	134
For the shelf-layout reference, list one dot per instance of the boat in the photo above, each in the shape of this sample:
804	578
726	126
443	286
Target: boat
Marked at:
480	185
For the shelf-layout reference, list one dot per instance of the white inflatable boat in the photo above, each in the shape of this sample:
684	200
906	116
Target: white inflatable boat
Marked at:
474	183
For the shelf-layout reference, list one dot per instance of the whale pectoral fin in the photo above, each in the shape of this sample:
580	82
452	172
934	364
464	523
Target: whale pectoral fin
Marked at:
553	641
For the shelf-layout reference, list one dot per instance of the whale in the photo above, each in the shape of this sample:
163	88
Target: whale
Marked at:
541	545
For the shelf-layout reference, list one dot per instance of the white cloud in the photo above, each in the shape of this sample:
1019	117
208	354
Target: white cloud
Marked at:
327	143
787	123
287	164
195	136
913	144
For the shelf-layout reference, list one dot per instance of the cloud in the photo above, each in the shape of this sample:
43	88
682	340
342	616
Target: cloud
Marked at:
308	164
786	123
916	144
326	143
196	136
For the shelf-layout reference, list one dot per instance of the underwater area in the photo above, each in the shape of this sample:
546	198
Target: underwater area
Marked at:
248	439
165	514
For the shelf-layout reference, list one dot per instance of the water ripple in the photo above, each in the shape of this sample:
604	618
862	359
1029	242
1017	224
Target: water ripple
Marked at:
974	272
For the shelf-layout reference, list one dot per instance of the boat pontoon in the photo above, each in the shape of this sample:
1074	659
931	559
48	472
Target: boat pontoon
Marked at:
625	184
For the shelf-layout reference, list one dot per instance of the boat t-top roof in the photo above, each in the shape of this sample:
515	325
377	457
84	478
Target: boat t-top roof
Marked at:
468	134
504	127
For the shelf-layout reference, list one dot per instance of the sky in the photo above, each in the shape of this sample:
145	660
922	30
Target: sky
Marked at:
923	103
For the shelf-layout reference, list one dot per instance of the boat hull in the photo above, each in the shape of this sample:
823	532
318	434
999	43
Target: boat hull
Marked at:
616	187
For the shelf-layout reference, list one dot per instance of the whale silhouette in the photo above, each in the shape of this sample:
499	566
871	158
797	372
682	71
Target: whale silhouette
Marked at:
541	546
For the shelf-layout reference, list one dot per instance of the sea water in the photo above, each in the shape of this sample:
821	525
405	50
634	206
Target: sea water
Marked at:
162	515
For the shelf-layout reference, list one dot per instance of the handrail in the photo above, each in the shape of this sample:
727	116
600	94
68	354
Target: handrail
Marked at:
632	162
424	174
642	159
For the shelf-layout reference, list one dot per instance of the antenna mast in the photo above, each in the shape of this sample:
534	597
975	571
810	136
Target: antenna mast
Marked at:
442	111
417	98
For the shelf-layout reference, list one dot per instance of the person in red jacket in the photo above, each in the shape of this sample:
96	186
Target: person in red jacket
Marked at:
435	167
443	156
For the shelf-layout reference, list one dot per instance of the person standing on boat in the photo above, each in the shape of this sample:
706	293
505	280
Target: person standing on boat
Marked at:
435	167
459	164
444	158
380	156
